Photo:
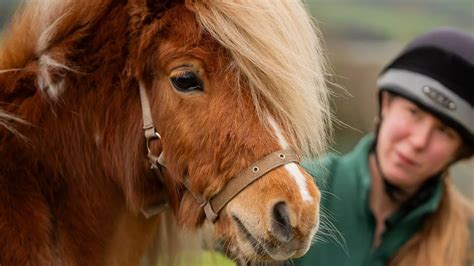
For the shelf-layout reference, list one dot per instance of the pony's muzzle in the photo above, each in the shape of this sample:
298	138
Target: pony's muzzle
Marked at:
282	239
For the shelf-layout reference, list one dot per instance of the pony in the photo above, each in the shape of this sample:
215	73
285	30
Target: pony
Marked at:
113	110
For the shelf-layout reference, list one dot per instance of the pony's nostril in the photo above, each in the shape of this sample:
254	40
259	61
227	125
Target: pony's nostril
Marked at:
281	227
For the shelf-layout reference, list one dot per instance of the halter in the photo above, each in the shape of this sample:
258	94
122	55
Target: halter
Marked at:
213	206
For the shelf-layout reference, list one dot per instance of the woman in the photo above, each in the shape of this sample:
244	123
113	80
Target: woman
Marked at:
391	198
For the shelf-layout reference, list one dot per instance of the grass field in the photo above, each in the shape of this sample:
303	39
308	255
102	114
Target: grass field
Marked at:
203	259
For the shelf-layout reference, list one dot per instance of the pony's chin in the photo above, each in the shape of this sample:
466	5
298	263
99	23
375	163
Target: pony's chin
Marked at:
244	247
242	254
248	257
257	252
249	254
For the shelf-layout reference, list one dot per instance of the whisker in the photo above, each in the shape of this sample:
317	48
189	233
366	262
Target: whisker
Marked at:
3	71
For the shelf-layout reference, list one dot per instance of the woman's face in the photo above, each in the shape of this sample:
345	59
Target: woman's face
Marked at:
413	145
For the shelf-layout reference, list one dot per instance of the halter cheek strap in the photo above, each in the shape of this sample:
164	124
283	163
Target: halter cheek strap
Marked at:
213	206
149	128
155	161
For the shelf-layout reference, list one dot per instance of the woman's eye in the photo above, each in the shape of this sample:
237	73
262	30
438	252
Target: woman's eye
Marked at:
413	110
445	130
187	82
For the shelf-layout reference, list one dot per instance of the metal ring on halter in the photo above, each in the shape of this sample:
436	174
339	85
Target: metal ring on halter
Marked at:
154	160
155	136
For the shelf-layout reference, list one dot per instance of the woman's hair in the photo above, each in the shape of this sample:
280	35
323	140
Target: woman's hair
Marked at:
465	152
443	238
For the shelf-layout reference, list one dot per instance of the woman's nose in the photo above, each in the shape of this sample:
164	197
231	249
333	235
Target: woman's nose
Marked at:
420	135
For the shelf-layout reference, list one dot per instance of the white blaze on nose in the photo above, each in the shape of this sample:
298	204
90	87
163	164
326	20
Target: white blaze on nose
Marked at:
292	168
279	135
300	180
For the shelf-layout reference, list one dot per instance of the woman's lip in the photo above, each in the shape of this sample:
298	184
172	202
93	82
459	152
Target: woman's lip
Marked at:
406	160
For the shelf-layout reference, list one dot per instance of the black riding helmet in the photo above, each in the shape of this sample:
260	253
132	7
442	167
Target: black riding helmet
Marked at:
436	72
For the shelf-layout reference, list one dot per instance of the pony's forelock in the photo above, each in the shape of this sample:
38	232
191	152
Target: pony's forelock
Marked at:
277	50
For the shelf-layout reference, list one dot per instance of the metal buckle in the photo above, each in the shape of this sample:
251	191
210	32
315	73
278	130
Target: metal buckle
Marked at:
154	160
155	136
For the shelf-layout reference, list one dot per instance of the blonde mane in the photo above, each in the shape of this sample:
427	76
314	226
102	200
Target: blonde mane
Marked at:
276	48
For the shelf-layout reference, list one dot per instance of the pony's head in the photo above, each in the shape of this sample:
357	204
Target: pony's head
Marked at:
231	83
228	83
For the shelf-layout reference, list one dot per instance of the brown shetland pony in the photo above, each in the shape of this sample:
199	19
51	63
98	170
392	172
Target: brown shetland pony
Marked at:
228	81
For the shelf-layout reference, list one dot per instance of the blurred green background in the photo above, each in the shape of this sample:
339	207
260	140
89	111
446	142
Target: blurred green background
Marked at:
360	37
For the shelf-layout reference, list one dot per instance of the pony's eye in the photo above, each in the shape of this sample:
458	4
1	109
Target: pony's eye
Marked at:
187	82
